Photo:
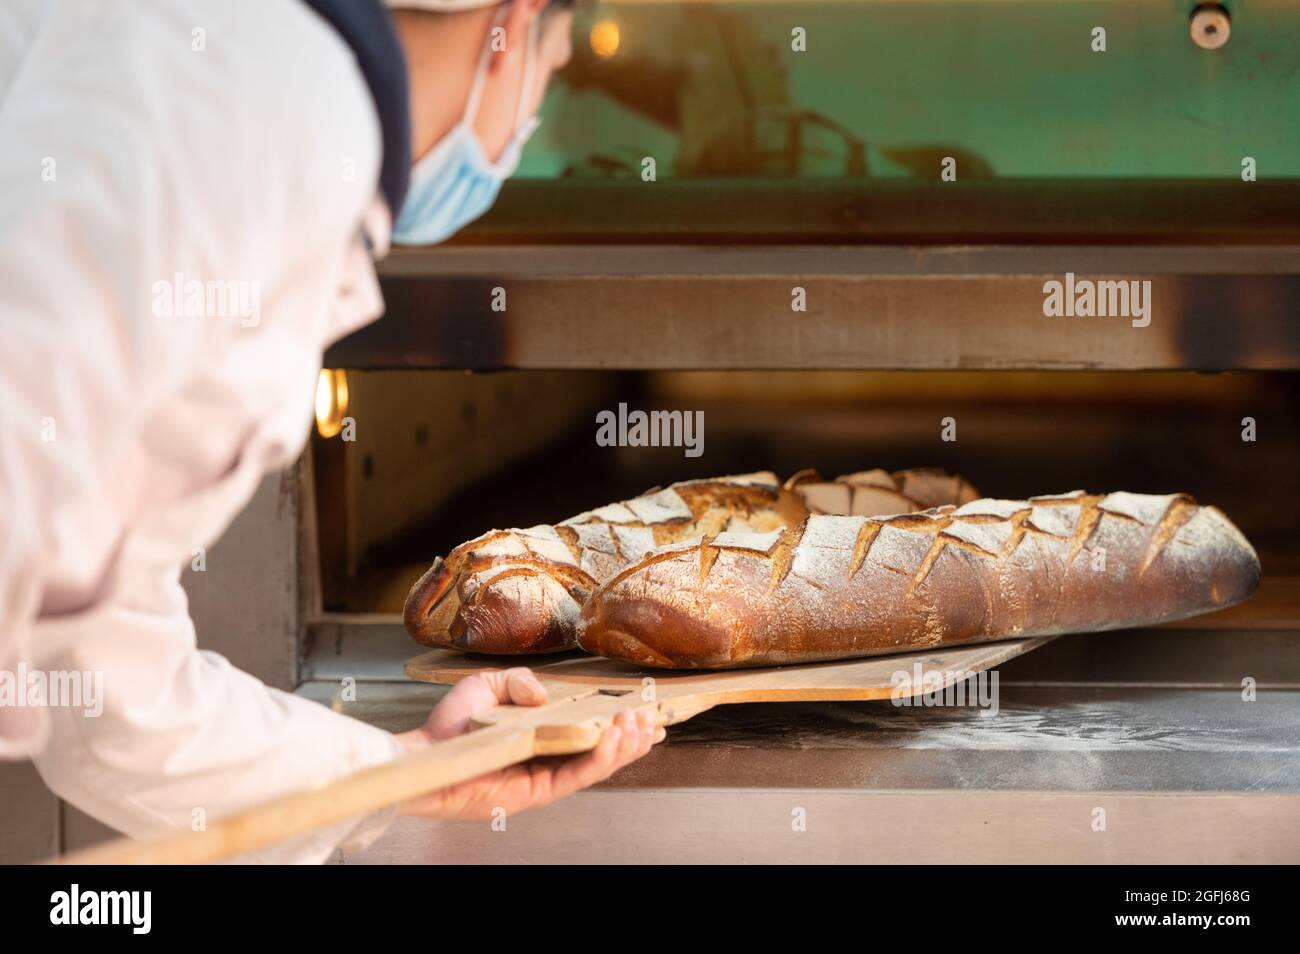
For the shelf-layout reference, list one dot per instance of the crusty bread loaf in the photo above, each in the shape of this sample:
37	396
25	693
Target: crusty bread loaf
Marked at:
520	591
836	586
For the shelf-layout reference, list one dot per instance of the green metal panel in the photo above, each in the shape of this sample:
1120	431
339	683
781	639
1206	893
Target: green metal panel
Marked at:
1012	88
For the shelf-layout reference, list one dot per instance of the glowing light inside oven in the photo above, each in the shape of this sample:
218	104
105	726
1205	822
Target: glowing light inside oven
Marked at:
331	401
604	39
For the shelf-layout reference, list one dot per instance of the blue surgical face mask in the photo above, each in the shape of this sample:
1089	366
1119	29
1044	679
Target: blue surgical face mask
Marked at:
455	183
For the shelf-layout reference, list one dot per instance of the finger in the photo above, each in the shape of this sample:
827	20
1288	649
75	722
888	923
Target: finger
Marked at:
451	716
586	770
628	749
648	730
523	688
539	783
634	728
630	741
477	694
517	685
608	757
599	763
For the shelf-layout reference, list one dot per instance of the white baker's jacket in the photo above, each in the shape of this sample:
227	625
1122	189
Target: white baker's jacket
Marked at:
128	437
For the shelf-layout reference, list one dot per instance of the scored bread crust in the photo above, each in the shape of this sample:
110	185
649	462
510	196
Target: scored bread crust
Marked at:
837	587
521	591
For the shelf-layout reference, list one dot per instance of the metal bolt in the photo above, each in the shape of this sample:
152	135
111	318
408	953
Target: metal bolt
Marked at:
1210	26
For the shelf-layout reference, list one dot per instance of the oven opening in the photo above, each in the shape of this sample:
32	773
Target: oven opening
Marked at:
439	457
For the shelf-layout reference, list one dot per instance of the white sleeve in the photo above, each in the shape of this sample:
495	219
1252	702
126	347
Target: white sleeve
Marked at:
112	180
169	736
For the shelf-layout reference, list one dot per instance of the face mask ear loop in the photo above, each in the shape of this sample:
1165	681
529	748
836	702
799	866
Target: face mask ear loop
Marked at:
530	66
480	75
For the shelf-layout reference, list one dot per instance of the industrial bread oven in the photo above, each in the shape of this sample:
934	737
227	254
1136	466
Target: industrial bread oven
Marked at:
842	257
847	235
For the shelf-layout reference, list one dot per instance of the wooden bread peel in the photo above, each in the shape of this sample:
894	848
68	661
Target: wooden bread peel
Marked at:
586	692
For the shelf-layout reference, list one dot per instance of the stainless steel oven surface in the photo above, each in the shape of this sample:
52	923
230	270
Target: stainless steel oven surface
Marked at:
1139	719
1047	246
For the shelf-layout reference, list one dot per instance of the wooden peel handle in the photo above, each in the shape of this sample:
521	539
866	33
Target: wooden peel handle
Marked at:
570	726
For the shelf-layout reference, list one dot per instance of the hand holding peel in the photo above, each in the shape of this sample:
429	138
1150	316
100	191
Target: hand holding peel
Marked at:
531	784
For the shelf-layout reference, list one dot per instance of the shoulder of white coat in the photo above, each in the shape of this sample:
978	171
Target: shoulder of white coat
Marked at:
220	126
306	119
324	128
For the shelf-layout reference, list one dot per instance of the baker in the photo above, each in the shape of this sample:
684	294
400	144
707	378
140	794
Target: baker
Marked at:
276	146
